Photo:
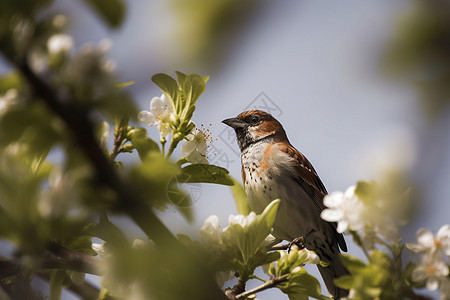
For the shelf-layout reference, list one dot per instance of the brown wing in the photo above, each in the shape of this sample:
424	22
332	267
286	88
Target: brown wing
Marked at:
243	176
309	180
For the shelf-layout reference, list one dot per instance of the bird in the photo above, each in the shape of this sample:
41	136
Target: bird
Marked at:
273	169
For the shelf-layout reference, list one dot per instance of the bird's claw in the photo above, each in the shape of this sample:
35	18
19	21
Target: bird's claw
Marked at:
298	241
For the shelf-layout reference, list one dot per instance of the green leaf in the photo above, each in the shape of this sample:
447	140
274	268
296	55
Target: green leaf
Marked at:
202	173
352	263
142	142
270	212
182	202
106	231
153	177
56	282
112	11
366	191
302	283
193	86
181	77
297	296
168	86
345	282
244	241
10	81
240	197
122	85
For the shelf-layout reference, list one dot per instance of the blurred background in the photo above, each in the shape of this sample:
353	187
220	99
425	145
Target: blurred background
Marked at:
361	87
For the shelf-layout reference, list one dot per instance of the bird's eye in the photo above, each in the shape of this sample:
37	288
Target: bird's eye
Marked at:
253	120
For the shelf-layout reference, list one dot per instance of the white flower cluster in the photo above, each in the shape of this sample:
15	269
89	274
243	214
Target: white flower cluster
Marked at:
89	68
159	115
211	229
433	267
351	212
61	198
344	208
161	111
59	44
210	237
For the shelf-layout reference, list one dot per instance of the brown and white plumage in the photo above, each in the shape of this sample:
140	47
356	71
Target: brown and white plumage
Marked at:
273	169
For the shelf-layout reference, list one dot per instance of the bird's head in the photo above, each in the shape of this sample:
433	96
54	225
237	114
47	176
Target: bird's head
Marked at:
253	126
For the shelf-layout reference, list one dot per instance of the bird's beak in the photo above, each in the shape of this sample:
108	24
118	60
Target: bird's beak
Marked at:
234	123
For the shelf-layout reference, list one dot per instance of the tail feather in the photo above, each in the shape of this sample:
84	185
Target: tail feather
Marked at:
334	270
328	251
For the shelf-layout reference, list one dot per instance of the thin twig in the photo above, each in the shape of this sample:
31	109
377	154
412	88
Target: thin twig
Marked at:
267	285
119	138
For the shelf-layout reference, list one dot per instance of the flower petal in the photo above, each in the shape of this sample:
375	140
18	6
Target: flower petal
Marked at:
164	130
415	247
331	215
334	199
188	147
156	106
432	283
342	226
444	231
166	104
350	191
196	157
425	237
147	117
202	147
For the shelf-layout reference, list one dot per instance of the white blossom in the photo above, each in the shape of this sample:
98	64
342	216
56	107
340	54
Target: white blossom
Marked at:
194	149
61	197
433	271
433	245
99	248
159	115
344	208
59	43
8	99
209	233
312	257
139	244
243	221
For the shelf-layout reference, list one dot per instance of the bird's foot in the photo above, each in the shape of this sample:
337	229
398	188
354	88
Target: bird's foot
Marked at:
298	241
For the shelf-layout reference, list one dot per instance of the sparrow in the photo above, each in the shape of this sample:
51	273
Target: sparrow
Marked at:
273	169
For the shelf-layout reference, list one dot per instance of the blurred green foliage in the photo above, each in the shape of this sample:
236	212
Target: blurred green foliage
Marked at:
419	52
206	30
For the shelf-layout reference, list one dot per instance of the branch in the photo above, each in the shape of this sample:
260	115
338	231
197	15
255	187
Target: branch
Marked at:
64	258
267	285
86	291
59	258
239	288
82	129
